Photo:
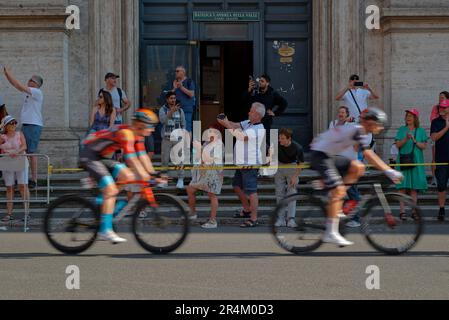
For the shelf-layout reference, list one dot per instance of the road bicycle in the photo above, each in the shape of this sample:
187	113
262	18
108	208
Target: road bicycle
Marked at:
158	221
382	224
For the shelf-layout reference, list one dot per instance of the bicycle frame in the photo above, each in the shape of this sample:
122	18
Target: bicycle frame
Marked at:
145	193
379	193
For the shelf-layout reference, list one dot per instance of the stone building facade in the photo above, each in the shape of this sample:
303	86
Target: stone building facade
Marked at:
406	60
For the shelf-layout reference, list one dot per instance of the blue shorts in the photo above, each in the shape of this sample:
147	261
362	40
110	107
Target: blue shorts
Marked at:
32	135
246	179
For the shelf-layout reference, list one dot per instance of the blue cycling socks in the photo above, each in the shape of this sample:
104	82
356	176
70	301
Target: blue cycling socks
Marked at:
106	222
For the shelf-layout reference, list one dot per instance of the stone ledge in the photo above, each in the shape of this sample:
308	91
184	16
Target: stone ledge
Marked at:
414	20
33	19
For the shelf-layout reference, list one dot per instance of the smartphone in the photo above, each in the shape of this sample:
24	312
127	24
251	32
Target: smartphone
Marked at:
221	116
358	84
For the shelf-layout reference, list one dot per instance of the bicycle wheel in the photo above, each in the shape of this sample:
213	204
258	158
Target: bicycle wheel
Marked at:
310	218
161	229
385	231
71	224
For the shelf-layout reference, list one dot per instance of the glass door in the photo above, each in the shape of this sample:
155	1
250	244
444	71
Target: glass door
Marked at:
158	64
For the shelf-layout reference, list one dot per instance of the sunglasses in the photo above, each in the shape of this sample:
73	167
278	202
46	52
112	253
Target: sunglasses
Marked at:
12	123
178	70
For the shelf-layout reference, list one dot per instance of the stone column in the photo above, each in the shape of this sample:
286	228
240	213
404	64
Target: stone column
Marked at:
338	53
114	43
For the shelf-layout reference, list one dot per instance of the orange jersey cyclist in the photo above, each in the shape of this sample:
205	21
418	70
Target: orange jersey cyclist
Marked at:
96	158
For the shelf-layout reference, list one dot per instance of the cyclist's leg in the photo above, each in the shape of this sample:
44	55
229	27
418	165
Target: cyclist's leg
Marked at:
331	173
354	172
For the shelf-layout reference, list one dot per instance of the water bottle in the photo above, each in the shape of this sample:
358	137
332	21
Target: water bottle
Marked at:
119	206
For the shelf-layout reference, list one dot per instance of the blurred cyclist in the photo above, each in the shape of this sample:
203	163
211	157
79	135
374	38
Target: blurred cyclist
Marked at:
96	158
338	171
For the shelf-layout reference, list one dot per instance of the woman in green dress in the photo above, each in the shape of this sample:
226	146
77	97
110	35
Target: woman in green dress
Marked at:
412	137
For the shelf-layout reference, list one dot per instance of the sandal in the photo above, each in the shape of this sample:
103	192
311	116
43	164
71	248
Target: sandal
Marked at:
249	224
243	214
403	216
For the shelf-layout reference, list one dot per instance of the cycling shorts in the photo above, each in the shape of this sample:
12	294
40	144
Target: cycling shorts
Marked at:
331	169
103	171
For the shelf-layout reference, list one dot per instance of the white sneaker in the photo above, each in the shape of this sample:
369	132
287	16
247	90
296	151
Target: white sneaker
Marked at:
193	217
280	222
110	236
180	184
336	239
211	224
292	223
353	224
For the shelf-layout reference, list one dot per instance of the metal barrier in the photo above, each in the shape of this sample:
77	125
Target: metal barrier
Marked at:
20	163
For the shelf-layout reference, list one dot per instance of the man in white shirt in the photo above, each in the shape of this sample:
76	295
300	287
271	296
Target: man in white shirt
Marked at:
250	135
119	98
355	96
31	116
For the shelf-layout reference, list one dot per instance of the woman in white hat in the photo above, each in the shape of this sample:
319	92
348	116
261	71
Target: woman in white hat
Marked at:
13	143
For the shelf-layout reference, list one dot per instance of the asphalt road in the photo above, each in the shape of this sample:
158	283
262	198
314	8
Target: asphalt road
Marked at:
228	263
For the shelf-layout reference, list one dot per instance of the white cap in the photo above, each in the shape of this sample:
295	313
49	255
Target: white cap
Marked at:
7	120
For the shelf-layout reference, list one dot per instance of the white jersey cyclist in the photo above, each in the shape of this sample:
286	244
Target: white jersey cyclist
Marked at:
338	139
337	171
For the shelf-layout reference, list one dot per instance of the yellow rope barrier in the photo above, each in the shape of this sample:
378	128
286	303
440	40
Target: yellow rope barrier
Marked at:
52	170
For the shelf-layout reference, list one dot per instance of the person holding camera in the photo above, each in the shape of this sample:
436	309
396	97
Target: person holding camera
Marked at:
171	117
31	116
184	88
355	96
259	90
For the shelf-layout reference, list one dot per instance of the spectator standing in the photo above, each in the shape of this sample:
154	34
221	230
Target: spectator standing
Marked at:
275	104
290	153
412	138
13	143
184	88
171	117
119	98
31	116
103	114
435	114
247	152
210	180
344	119
440	135
356	98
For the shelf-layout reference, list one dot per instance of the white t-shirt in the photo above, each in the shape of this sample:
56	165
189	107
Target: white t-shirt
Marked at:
32	108
116	101
362	96
349	153
250	152
336	140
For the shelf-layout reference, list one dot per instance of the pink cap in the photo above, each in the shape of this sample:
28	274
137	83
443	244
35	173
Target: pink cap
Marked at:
413	111
444	104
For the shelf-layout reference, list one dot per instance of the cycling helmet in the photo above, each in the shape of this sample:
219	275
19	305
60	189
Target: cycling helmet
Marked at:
146	116
375	114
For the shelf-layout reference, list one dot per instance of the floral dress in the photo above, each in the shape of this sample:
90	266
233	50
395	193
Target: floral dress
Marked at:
206	178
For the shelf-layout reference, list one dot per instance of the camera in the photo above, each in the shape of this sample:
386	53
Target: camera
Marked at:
358	84
257	88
